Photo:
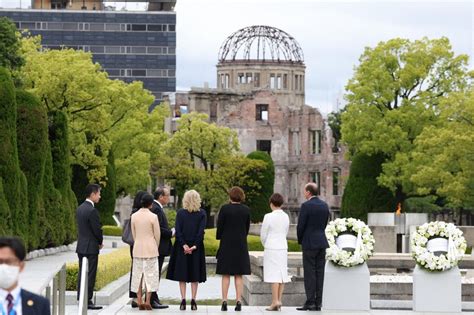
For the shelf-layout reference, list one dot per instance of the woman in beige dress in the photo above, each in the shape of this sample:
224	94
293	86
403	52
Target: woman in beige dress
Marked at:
146	236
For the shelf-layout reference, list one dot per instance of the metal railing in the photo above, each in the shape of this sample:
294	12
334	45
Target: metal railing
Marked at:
56	292
83	298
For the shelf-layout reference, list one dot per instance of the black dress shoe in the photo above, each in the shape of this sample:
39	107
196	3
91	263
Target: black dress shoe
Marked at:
157	306
93	307
224	306
193	305
134	304
182	306
238	306
306	307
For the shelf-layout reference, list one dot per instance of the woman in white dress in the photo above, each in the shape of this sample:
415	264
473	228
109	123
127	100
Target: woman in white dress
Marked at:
275	256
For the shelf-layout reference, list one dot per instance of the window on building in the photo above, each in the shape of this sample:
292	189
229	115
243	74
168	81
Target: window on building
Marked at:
138	27
272	81
296	87
315	177
213	112
278	82
155	27
248	78
171	28
294	185
256	80
227	79
240	78
261	112
112	27
264	145
183	109
296	143
97	26
315	144
285	81
336	174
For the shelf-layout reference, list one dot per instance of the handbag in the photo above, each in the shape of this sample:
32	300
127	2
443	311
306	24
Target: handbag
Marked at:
127	236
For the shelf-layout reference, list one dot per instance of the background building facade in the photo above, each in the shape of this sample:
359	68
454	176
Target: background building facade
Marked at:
130	46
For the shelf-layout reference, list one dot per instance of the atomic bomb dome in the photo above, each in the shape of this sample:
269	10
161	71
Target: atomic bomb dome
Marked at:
261	43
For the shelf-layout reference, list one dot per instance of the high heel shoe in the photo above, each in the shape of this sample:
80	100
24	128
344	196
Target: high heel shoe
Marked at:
238	306
194	306
279	306
182	306
272	308
224	306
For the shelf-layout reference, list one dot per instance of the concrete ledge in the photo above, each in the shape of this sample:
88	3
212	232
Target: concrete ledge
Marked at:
50	251
408	305
107	295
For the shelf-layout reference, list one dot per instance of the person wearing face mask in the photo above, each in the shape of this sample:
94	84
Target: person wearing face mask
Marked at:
13	299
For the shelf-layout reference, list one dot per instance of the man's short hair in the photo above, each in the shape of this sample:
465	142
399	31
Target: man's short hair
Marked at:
92	189
312	188
15	244
236	194
160	191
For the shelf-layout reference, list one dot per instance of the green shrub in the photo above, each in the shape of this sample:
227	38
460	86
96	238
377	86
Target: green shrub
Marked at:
62	174
257	199
110	267
112	230
171	216
362	193
253	242
5	229
32	132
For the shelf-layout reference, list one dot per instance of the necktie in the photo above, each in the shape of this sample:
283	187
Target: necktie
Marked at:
10	303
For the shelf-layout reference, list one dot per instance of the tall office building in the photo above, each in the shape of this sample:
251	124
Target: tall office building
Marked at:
130	45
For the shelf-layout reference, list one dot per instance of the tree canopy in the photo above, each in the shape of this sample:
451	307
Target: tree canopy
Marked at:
10	56
396	92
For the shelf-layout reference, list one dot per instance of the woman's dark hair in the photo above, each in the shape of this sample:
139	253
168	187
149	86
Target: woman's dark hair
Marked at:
137	201
236	194
16	246
147	200
277	200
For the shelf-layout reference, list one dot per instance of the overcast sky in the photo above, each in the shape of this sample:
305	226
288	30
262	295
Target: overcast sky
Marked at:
332	34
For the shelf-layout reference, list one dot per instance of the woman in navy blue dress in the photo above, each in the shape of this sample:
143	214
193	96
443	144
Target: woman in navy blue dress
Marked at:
188	258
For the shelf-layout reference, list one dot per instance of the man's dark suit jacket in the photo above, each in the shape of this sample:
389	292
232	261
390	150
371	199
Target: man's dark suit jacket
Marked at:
312	221
89	229
165	240
33	304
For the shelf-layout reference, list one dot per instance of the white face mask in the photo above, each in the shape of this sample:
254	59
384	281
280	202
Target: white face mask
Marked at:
8	275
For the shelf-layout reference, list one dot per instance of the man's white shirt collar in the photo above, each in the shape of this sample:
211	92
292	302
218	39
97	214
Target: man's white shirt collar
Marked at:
161	206
92	202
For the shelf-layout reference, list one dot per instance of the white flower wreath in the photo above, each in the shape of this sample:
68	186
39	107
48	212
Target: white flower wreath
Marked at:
427	259
364	246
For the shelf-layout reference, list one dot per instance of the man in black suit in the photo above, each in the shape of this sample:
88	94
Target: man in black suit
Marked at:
162	197
90	239
13	299
312	221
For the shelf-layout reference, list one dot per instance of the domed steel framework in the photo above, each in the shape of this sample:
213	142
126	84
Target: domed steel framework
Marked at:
262	43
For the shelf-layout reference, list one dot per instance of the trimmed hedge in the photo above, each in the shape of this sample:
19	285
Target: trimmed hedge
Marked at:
111	267
112	230
362	193
4	212
257	199
253	241
32	131
9	165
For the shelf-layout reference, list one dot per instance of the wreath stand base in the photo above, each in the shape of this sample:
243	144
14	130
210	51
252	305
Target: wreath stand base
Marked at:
346	288
437	291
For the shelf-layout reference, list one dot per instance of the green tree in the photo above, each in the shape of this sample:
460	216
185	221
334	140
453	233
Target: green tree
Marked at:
32	132
334	122
394	93
5	227
257	199
9	164
362	193
69	81
444	153
10	56
203	156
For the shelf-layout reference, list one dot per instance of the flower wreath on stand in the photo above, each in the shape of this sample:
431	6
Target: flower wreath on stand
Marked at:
349	256
438	246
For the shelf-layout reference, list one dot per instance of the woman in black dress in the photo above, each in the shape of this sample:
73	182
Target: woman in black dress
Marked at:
233	225
188	258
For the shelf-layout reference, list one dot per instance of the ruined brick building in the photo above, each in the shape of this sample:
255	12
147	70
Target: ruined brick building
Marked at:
260	94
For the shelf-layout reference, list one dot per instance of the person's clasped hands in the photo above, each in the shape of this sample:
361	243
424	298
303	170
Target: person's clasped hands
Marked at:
188	250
